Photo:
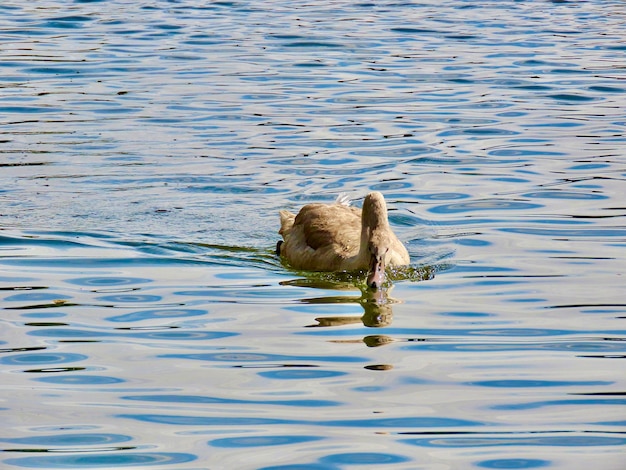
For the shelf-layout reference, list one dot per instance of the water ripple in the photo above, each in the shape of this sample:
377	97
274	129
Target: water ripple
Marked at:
96	460
145	151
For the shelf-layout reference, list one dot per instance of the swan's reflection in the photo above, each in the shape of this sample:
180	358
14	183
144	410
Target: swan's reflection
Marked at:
377	307
377	304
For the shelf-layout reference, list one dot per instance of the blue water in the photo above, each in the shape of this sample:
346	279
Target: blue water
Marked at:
145	150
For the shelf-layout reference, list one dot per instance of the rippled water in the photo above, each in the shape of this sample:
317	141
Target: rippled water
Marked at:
145	150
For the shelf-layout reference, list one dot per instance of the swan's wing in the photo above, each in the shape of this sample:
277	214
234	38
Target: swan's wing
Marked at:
330	226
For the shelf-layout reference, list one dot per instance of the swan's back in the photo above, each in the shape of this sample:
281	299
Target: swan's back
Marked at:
322	237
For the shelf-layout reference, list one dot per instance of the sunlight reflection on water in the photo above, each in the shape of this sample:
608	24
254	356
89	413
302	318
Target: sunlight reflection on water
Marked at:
145	153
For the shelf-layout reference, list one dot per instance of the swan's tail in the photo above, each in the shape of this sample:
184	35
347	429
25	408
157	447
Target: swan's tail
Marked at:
343	199
286	222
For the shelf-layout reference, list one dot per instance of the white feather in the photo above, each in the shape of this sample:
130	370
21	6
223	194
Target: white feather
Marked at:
343	199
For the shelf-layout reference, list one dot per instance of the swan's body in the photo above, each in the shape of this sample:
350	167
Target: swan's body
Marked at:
336	237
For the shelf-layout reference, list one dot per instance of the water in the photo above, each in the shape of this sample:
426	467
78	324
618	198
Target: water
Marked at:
146	148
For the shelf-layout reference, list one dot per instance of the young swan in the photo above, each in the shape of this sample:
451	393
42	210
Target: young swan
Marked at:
336	237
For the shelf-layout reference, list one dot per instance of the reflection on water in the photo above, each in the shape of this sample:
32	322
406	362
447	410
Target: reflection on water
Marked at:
377	306
145	150
231	357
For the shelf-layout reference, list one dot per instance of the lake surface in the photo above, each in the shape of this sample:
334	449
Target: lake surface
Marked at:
145	150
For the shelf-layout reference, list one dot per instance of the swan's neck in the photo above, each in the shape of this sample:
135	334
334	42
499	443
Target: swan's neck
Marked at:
373	223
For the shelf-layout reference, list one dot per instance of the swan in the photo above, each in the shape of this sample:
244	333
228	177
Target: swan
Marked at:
337	237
